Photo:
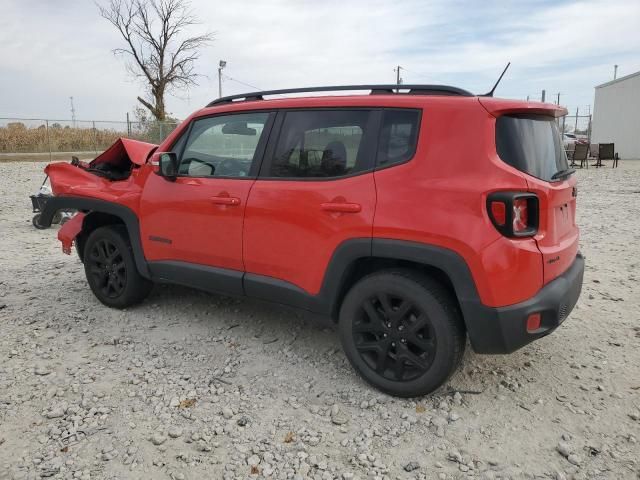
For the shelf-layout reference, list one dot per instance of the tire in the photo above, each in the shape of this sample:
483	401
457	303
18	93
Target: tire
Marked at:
111	270
402	332
36	222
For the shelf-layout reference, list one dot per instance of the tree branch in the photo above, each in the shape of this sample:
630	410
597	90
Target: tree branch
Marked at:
147	104
152	31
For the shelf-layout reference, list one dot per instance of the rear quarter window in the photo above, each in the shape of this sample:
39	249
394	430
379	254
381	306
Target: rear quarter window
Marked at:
532	144
398	137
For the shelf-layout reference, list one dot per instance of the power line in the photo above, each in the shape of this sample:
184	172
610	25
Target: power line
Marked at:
414	74
241	82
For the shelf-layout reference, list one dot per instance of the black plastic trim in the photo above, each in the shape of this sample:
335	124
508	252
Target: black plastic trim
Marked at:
389	89
326	301
282	292
450	262
54	204
237	283
202	277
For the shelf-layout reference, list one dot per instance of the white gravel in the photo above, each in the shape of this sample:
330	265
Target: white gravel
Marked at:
192	386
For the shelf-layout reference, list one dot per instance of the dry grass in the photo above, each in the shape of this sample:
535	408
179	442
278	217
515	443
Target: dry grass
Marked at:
16	137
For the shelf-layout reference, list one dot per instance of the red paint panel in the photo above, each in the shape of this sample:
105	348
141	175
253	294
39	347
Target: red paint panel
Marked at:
292	228
558	233
69	231
185	220
511	271
74	181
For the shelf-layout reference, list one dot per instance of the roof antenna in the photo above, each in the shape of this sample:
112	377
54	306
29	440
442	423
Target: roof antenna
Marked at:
490	94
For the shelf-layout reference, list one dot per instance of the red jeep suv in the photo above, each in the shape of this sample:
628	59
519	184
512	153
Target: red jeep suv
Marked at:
413	217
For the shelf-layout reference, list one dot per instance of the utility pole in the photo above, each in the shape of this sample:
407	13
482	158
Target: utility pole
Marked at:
73	113
221	65
615	72
398	78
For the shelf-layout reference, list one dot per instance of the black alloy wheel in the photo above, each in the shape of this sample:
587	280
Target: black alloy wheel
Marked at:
394	337
402	331
107	266
110	267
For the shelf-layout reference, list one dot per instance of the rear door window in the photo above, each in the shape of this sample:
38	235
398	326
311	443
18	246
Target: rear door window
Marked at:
324	144
532	144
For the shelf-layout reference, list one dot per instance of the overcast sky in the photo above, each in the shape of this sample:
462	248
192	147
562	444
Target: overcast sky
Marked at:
50	50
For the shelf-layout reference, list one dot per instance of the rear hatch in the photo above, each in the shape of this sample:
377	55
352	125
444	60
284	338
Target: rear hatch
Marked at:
531	142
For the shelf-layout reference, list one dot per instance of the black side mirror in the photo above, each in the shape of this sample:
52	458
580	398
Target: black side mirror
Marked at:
168	165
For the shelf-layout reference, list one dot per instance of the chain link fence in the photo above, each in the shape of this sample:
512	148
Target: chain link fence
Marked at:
35	138
576	124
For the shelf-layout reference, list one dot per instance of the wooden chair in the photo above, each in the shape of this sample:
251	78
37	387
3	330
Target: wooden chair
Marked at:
580	154
606	151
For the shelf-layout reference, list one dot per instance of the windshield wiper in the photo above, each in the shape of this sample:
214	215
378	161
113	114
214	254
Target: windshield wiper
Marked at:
563	173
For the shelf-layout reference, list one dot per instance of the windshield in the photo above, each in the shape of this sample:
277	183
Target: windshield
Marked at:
532	144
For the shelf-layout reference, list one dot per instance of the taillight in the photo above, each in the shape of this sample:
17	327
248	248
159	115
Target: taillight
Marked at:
520	215
499	212
514	214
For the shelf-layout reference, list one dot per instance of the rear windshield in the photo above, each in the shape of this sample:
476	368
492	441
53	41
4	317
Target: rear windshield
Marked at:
532	144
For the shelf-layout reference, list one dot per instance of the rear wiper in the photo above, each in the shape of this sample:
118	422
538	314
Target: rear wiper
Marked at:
563	173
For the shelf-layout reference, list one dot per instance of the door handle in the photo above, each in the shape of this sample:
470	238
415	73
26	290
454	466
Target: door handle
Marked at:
341	207
231	201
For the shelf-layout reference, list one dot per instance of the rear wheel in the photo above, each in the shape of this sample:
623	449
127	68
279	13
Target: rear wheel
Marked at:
402	332
111	270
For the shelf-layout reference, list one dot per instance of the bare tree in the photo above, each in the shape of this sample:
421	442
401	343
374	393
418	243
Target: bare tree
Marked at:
154	32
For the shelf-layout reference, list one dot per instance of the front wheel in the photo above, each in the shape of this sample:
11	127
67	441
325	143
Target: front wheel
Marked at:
402	332
111	270
36	222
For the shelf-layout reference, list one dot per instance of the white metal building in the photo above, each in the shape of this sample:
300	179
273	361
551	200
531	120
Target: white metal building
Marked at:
616	115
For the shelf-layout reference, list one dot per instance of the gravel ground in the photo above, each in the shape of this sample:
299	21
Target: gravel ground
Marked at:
190	385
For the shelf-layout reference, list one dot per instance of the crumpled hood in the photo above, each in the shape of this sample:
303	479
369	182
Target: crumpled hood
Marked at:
124	150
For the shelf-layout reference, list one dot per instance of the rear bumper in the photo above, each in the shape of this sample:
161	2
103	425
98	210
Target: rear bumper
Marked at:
504	329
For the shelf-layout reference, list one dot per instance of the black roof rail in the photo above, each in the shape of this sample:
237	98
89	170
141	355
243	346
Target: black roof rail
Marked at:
375	90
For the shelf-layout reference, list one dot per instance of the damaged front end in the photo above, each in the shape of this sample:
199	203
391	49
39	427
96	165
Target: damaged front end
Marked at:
113	177
116	163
